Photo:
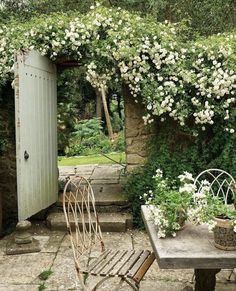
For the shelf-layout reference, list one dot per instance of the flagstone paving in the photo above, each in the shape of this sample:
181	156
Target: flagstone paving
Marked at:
20	272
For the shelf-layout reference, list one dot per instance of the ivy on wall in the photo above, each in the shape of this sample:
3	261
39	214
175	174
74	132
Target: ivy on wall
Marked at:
175	151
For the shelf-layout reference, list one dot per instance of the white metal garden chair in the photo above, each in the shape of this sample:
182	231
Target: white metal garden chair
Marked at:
221	184
85	233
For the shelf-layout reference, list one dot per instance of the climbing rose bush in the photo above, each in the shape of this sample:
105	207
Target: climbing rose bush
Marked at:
194	83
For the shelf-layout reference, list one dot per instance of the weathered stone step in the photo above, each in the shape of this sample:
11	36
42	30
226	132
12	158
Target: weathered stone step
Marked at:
103	197
109	222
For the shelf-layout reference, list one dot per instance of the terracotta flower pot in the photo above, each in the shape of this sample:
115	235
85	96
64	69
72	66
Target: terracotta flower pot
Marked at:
224	235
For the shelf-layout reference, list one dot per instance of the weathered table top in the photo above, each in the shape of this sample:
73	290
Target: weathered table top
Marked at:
192	248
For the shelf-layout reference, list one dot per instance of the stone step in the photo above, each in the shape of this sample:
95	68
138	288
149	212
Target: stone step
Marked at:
104	196
109	198
109	222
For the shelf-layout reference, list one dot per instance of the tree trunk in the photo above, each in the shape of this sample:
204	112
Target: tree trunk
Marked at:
98	104
119	105
107	116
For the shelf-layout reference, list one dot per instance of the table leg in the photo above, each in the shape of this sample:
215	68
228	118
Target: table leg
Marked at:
205	279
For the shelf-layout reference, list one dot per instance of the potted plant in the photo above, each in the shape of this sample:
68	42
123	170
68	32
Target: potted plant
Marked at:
220	217
168	205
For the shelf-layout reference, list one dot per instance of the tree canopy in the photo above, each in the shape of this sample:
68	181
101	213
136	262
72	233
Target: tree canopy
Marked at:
205	17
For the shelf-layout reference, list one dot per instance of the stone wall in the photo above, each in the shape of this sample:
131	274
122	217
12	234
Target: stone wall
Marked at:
7	156
136	133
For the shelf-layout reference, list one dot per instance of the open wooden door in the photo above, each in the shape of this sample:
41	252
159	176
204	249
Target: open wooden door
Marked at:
36	132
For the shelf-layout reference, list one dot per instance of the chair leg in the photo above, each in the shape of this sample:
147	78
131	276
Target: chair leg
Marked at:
193	279
135	287
231	273
119	285
81	280
100	283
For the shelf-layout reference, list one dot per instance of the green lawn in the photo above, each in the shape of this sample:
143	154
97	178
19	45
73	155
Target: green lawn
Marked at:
93	159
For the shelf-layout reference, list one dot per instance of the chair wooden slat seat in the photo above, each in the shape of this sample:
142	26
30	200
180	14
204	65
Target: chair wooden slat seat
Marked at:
112	264
98	261
145	266
129	264
138	264
83	227
104	262
122	262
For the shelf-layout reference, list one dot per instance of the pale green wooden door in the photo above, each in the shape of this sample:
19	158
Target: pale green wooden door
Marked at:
36	132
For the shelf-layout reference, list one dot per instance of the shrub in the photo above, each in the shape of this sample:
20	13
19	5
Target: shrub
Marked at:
119	144
89	139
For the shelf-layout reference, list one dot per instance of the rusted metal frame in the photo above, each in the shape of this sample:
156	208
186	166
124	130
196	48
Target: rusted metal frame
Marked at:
74	219
80	275
110	264
96	229
135	286
99	283
77	181
81	242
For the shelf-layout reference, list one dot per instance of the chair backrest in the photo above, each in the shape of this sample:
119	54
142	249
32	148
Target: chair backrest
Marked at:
222	184
81	216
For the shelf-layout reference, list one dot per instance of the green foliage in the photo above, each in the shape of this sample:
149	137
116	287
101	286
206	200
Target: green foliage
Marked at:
116	108
87	128
174	151
89	139
7	122
41	287
119	144
168	206
205	16
68	103
45	275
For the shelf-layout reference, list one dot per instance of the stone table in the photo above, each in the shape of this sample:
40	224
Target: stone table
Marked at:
192	248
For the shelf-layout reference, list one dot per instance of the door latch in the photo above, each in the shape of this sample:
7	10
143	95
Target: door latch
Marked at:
26	155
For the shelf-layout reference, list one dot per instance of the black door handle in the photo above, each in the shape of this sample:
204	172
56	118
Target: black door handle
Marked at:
26	155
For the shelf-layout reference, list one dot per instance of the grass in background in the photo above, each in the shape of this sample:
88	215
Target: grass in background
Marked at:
93	159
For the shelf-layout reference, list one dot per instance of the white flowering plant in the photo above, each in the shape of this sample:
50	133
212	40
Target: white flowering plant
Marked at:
206	207
168	205
171	207
192	82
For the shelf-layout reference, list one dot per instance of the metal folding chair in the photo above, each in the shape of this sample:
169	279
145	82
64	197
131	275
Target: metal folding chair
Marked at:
85	234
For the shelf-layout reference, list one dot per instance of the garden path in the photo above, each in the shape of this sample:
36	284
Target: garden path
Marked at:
20	272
